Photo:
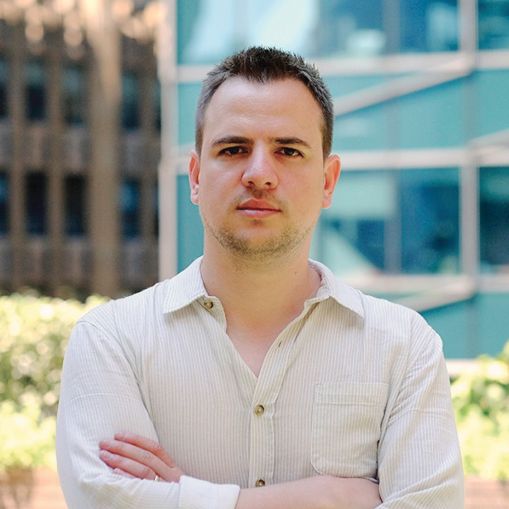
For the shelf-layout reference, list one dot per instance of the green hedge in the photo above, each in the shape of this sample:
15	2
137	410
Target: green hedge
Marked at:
33	335
481	401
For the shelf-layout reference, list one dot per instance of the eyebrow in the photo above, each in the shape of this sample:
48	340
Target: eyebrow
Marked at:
241	140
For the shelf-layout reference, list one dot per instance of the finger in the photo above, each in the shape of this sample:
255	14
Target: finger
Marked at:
127	466
142	458
147	444
119	471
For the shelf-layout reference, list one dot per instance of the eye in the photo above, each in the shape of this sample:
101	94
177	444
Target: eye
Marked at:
232	151
290	152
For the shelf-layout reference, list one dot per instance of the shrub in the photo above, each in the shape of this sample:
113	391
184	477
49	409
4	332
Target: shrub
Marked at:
34	333
481	401
27	440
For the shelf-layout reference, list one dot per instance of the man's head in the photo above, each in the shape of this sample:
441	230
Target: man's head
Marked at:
264	65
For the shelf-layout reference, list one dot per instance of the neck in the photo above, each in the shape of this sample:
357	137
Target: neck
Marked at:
270	292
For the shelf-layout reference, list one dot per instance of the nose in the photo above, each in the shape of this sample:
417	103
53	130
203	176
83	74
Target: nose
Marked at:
260	172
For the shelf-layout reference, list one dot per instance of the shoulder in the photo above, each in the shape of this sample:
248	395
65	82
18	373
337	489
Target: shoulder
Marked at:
382	320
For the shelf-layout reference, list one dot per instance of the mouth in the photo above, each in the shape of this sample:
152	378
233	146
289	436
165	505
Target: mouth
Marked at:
257	208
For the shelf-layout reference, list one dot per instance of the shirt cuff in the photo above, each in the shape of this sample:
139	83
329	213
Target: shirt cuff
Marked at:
198	494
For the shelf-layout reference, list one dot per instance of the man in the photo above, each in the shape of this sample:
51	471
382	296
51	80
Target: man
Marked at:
254	378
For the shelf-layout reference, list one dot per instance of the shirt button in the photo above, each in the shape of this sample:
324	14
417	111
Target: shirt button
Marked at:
208	304
260	483
259	409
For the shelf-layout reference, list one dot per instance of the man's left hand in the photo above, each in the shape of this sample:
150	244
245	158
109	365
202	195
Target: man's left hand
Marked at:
132	455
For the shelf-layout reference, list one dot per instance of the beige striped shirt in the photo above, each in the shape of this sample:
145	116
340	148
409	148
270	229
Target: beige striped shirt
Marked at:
353	387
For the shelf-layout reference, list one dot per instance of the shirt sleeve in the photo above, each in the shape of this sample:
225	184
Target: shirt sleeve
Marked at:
419	456
99	397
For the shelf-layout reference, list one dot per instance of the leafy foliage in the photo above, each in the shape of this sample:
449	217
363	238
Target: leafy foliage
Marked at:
481	401
33	336
34	333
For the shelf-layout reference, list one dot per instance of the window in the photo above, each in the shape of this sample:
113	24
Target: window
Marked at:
35	90
403	221
36	203
4	204
493	24
3	88
130	101
75	205
428	25
74	95
494	214
130	203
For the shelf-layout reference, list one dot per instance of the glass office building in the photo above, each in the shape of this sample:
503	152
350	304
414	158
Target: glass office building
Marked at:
421	98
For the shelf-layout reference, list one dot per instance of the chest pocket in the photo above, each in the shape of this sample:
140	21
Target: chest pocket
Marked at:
346	428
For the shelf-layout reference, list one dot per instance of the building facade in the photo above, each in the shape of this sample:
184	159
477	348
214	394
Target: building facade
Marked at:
421	91
79	150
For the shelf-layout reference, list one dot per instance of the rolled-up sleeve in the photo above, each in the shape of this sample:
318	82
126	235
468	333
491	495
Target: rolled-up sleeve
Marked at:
99	397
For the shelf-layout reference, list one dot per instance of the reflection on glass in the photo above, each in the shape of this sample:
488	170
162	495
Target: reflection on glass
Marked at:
35	91
36	203
4	197
429	25
3	88
75	205
209	30
130	101
494	214
74	95
130	206
393	221
493	24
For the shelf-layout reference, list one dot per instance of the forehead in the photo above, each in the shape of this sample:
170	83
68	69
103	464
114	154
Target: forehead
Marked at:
285	105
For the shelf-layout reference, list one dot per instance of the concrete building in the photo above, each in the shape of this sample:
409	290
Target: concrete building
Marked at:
79	146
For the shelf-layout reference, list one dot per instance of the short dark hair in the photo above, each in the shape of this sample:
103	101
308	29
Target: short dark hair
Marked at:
264	65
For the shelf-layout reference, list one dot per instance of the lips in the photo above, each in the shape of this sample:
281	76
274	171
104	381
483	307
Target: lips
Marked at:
257	208
254	204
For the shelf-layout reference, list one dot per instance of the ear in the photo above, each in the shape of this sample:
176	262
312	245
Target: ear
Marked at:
332	169
194	176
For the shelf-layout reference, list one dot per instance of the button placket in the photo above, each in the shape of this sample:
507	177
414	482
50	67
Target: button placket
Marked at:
262	449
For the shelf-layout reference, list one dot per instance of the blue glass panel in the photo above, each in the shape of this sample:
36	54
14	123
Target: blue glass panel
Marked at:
36	203
493	98
75	205
493	31
189	228
428	25
35	91
345	85
479	325
130	206
187	101
392	221
429	202
434	117
130	101
74	95
366	129
494	219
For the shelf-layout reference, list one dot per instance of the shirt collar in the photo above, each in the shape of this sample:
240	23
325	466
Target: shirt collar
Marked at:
333	288
187	287
183	289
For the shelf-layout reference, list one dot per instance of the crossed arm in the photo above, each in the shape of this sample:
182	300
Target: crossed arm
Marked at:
131	455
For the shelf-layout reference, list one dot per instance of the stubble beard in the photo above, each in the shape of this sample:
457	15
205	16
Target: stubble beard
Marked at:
249	250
